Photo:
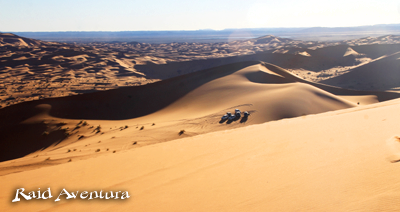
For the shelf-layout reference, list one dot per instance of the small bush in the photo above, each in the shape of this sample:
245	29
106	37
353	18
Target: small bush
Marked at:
142	128
69	150
153	124
97	150
181	132
61	124
134	143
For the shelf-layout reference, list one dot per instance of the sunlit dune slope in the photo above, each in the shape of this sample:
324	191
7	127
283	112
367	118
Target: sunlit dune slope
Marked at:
336	161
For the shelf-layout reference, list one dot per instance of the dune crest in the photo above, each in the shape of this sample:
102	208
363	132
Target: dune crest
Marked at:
350	51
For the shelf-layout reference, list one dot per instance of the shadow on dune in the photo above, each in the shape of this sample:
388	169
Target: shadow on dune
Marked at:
20	139
244	119
262	77
23	139
232	120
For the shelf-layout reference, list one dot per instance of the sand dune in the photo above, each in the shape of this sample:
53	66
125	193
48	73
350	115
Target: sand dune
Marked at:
164	109
336	161
8	39
350	51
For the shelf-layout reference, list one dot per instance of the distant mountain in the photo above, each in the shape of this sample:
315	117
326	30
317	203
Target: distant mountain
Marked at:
374	28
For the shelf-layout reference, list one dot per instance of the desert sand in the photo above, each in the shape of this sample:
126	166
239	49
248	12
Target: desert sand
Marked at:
308	144
335	161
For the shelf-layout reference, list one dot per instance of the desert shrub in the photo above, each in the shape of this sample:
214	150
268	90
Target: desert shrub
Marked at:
142	128
181	132
61	124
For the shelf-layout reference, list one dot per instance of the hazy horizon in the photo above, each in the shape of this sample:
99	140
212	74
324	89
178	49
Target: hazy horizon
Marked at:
217	30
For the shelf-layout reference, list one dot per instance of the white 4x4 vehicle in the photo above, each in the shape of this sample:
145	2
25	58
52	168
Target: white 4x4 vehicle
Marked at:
232	117
237	112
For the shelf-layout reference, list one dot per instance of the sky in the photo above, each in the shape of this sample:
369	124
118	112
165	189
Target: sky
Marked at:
133	15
